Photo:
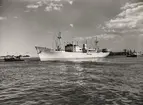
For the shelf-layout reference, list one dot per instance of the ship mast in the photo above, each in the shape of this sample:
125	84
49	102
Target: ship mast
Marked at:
96	44
58	43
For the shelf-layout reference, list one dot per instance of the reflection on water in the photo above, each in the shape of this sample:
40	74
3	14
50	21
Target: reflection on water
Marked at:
111	81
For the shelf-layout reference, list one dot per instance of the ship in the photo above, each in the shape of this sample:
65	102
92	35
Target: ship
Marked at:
11	58
71	52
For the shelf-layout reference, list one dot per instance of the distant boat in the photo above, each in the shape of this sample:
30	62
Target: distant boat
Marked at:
10	58
131	54
25	56
71	52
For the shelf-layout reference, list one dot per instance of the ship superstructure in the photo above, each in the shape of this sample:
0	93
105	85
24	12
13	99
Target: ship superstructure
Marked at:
70	52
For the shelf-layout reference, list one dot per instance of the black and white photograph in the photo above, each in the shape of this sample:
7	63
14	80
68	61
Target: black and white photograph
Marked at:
71	52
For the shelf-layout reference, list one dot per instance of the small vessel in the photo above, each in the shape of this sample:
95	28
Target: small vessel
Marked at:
131	54
71	52
26	56
10	58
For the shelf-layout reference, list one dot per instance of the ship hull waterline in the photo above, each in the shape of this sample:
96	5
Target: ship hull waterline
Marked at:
48	55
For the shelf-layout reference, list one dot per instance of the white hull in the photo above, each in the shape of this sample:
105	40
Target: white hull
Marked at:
46	54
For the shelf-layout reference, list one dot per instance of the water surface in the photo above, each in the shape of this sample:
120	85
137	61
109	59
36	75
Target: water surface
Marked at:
111	81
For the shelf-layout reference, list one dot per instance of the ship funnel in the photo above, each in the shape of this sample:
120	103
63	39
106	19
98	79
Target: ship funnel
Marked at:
84	49
84	46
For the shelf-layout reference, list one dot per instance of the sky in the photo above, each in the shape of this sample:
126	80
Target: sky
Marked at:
24	24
